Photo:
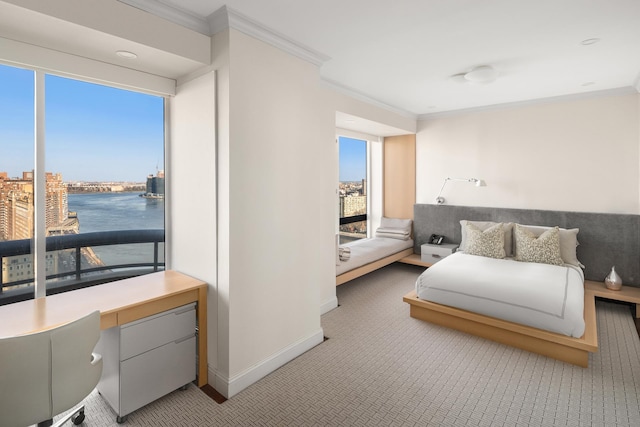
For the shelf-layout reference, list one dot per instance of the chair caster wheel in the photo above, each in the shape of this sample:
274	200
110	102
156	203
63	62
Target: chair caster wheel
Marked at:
78	418
121	420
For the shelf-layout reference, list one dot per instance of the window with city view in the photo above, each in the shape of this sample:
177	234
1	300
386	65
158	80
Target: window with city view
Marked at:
104	183
352	189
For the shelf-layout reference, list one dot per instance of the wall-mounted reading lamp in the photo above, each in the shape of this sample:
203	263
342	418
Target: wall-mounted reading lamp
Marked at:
476	181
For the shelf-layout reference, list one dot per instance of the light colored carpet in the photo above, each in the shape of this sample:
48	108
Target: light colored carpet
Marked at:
380	367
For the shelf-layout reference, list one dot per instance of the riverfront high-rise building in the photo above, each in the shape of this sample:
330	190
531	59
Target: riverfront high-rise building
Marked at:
17	207
155	186
57	203
17	219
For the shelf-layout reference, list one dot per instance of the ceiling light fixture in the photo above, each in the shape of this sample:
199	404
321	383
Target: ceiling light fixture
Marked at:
482	74
126	54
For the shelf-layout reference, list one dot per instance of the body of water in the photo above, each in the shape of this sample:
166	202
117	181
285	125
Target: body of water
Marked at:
119	211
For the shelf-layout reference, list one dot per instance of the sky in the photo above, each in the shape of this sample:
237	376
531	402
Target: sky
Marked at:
92	132
353	159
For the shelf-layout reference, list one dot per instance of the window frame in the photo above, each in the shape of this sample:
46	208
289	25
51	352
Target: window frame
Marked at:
39	238
367	216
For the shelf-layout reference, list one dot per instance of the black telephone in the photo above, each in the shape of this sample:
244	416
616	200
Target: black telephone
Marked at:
436	239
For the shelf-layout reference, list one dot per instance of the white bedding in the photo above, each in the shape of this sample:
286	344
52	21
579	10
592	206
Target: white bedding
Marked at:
365	251
543	296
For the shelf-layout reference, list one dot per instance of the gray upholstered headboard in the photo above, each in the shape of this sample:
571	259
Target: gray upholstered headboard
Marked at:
605	239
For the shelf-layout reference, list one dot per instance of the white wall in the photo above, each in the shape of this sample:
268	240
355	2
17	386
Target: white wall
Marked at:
276	177
191	216
376	176
580	155
280	216
277	185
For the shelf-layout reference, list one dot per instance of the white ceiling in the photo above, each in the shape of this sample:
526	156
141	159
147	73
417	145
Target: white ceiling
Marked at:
403	53
39	29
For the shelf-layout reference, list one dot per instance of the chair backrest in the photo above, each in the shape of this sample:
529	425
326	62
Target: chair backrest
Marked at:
45	373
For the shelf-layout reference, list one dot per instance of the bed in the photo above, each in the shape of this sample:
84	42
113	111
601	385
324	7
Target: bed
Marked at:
392	242
537	306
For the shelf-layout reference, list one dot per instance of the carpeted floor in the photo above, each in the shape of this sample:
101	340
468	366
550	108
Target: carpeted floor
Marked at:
380	367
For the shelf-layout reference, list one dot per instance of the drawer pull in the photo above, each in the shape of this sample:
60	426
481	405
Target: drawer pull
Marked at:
436	256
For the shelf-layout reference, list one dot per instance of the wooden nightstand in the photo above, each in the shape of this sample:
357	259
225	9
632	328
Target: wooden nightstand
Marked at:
430	254
627	293
414	259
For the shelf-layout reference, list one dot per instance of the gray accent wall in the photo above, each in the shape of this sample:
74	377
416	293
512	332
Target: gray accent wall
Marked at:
606	240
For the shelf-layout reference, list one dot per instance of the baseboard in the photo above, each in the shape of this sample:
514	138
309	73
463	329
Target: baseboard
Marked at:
229	387
327	306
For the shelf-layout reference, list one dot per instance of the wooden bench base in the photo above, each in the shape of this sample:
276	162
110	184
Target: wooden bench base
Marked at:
368	268
557	346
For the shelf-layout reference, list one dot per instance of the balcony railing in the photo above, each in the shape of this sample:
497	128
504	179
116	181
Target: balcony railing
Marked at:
82	274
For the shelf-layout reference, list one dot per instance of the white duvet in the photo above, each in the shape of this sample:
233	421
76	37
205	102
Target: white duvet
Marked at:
543	296
365	251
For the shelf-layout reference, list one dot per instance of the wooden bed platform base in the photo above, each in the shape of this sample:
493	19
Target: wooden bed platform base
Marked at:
556	346
372	266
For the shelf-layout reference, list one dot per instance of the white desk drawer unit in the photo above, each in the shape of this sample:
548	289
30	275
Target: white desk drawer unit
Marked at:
147	359
433	253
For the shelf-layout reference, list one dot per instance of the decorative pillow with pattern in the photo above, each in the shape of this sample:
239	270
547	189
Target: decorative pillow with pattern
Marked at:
483	225
488	243
568	242
544	249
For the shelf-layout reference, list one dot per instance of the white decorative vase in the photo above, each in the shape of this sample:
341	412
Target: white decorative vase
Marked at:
613	281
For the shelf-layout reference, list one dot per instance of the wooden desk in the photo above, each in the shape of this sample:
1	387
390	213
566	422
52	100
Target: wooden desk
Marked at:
119	302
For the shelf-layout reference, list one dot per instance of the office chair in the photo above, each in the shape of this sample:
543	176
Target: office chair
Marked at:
46	373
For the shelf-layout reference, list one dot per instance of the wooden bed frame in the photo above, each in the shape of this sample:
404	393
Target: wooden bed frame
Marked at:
372	266
556	346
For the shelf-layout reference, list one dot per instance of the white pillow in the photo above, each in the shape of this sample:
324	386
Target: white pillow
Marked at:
507	227
402	224
393	233
568	242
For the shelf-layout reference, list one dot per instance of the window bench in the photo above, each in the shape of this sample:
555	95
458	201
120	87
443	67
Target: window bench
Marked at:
368	255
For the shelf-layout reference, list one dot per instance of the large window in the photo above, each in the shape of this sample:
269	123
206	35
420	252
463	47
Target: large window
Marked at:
96	185
353	189
16	175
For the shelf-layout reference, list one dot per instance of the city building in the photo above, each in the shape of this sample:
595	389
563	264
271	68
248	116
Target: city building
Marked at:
16	207
17	220
155	186
16	204
353	205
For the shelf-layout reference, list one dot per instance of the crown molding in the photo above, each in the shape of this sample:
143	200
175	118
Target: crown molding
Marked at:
226	17
171	13
562	98
365	98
